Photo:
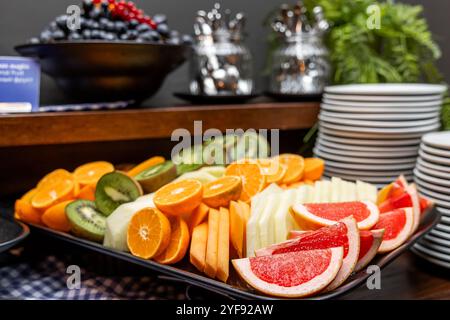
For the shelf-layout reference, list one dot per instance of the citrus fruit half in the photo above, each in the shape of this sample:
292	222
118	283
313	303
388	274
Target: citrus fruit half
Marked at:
179	242
253	181
180	197
90	173
220	192
295	167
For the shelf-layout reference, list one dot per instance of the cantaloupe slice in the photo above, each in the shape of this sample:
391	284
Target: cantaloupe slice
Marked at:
245	210
212	244
197	253
237	228
223	245
197	216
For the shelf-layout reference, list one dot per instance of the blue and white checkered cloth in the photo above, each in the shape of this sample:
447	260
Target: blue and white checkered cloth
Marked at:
47	280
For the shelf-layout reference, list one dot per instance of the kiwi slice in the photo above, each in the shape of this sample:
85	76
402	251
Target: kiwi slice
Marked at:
114	189
185	167
85	220
156	176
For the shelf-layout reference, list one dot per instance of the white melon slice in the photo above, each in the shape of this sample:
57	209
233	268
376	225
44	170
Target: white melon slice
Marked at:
266	230
203	177
325	192
216	171
283	222
336	188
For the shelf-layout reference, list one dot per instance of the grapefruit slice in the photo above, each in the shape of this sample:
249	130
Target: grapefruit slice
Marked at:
344	233
393	189
397	226
370	241
408	199
312	216
294	274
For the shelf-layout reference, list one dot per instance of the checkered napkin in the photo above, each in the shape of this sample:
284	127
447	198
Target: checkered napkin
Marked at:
48	280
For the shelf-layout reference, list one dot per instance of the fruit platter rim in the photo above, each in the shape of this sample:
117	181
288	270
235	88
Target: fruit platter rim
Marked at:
431	218
17	239
97	42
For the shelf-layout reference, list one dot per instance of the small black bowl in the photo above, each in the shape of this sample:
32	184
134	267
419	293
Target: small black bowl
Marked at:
92	71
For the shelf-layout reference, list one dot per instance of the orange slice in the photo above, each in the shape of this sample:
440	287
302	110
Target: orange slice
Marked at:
148	233
55	217
179	242
295	167
314	168
273	170
90	173
220	192
25	211
87	193
253	181
145	165
180	197
53	189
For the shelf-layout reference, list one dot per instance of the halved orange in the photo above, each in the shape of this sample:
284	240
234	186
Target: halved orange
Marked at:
54	189
145	165
273	170
314	168
55	217
25	211
220	192
148	233
295	167
179	197
56	175
253	181
179	242
87	193
90	173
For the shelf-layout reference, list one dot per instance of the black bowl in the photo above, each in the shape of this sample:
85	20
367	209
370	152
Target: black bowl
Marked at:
92	71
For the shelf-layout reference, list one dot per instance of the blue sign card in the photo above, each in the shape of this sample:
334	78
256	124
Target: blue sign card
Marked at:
19	84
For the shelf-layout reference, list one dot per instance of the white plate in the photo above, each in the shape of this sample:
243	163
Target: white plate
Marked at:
445	220
330	144
376	126
444	211
431	186
408	105
323	133
378	130
330	156
371	167
443	228
432	253
438	202
430	179
373	110
435	151
391	89
440	234
438	139
346	97
437	240
370	179
375	136
434	173
433	166
433	195
433	246
366	154
430	259
434	159
380	116
391	173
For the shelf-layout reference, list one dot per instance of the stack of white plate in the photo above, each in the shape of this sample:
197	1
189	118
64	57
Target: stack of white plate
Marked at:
372	132
432	176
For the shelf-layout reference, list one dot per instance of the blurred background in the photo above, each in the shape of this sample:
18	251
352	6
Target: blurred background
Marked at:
22	19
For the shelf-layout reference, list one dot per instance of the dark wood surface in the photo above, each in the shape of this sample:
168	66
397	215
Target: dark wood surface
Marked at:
146	123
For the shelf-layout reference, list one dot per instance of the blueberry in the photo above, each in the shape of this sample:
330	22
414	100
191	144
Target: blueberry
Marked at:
58	35
173	41
61	21
143	27
120	27
132	24
74	36
45	36
132	34
187	39
140	40
174	34
95	34
150	36
108	36
53	26
95	25
34	40
87	34
124	37
103	22
95	13
159	18
87	5
163	29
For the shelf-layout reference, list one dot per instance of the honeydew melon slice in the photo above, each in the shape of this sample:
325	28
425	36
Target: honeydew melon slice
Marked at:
325	192
201	176
216	171
336	189
265	227
283	222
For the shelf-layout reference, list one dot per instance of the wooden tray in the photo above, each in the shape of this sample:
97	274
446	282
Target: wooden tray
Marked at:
185	273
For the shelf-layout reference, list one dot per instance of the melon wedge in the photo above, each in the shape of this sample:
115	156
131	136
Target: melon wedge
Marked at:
223	245
282	220
313	216
397	225
294	274
212	243
197	217
266	230
197	253
344	233
370	241
237	228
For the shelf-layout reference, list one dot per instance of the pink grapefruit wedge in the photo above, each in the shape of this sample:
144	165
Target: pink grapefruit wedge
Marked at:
370	241
312	216
397	225
293	274
393	189
344	233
